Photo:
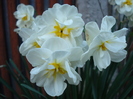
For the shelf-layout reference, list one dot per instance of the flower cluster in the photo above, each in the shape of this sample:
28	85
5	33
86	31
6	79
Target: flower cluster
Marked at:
53	44
124	7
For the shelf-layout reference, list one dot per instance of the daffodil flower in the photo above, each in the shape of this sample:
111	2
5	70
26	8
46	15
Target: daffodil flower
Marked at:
59	44
24	14
51	69
63	21
124	7
104	45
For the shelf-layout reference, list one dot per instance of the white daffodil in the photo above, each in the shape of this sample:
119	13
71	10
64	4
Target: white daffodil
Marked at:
51	69
125	7
59	44
104	45
92	30
63	21
24	14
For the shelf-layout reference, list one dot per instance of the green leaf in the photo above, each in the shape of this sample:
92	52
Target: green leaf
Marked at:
3	96
127	90
32	89
18	81
9	87
19	72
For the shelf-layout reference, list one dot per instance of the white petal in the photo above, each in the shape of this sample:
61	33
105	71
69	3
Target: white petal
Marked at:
91	31
101	62
60	55
107	23
85	56
76	53
38	56
80	42
30	10
28	44
48	17
75	64
119	56
37	75
95	43
101	53
40	79
20	6
24	48
35	70
105	36
70	11
34	77
55	44
77	26
121	32
68	22
40	82
55	86
39	21
92	48
71	40
116	45
72	76
56	6
60	85
25	33
128	8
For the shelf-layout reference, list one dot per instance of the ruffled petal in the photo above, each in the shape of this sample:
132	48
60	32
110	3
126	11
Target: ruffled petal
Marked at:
121	32
119	56
116	44
91	31
75	53
30	10
55	86
101	62
56	44
60	55
38	56
72	76
107	23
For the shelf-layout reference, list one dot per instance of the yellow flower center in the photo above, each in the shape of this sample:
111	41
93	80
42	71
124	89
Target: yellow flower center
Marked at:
103	47
57	69
25	18
128	2
62	32
35	44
